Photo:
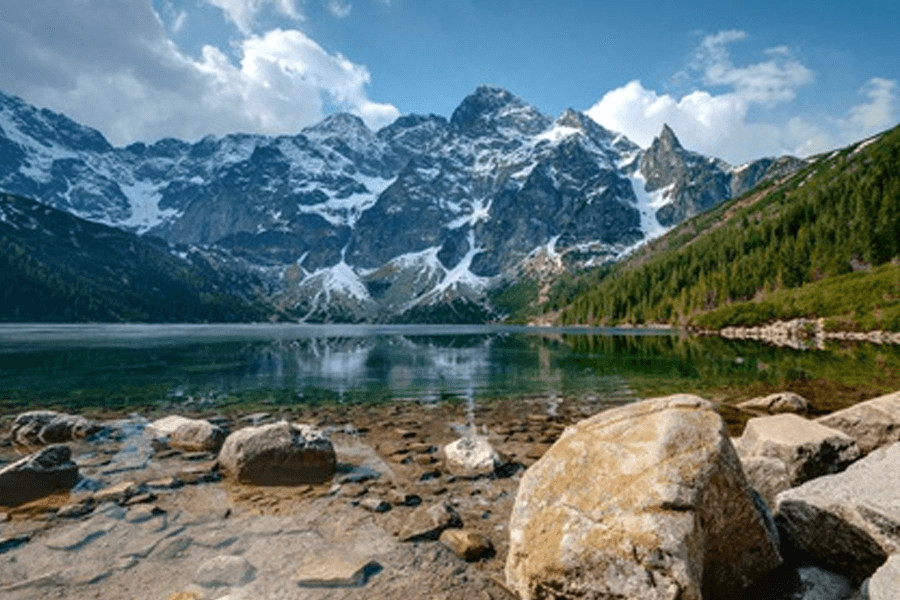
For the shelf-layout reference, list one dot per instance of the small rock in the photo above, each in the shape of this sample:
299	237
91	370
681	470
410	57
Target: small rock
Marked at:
398	498
76	509
225	570
49	470
471	457
375	505
336	571
428	521
140	499
279	454
192	435
466	544
118	493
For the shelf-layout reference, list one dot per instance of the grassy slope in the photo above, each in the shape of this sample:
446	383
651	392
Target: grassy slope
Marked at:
785	250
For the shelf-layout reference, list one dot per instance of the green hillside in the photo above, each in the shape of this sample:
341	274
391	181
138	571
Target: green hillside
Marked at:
55	267
823	243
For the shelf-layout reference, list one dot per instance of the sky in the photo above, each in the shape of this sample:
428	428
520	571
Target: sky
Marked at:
735	80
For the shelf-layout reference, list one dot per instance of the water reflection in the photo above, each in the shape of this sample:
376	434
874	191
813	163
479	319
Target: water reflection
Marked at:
148	363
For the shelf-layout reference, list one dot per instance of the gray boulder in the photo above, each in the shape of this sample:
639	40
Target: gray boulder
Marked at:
42	427
849	522
192	435
49	470
278	454
873	423
806	450
643	501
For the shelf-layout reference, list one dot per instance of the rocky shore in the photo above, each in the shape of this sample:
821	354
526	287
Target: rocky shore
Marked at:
540	498
801	334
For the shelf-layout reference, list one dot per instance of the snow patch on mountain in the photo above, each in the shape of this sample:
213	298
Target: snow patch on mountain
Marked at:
346	211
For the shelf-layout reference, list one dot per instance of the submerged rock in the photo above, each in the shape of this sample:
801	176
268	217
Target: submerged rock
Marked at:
44	472
278	454
643	501
781	402
42	427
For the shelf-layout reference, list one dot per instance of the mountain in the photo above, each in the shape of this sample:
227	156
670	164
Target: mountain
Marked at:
57	267
821	243
423	219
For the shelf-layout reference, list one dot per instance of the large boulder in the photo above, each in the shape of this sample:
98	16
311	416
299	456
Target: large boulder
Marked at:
42	427
885	582
849	522
192	435
278	454
643	501
873	423
806	450
49	470
471	456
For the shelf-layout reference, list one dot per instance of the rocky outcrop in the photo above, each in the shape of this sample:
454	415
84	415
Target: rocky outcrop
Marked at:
849	522
780	402
471	456
44	472
806	450
873	423
278	454
42	427
643	501
192	435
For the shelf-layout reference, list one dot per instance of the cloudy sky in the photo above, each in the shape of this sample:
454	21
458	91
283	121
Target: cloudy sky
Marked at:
738	80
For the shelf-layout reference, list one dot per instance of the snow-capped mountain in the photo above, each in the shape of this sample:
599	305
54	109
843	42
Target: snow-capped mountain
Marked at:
346	223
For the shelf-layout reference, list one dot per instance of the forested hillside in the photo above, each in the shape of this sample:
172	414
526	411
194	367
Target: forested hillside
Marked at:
56	267
809	246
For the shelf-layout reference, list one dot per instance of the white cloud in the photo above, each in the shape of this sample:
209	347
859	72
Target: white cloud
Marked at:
243	13
878	113
720	124
133	83
339	8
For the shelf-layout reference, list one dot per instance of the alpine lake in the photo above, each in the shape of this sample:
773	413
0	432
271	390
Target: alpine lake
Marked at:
115	369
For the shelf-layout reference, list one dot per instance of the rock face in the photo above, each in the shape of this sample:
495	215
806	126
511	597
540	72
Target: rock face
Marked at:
471	456
781	402
41	427
643	501
806	449
873	423
44	472
278	454
193	435
849	522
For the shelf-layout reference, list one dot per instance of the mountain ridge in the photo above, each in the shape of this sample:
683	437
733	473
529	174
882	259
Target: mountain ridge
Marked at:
343	222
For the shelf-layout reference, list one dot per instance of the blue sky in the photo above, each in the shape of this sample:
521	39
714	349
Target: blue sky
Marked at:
734	80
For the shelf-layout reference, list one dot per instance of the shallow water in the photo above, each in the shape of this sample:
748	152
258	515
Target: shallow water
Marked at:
121	365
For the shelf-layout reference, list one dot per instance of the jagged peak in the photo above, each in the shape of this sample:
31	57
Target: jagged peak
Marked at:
340	124
493	105
668	138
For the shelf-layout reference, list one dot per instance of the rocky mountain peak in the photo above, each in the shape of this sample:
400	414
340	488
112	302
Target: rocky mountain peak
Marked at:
668	140
339	125
491	108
